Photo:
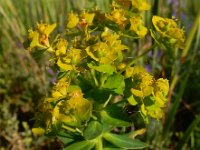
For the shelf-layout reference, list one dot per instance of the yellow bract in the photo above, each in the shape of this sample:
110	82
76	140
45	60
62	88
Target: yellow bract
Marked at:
108	50
87	18
33	36
40	37
45	29
38	131
118	16
61	47
161	88
169	28
152	93
137	26
142	81
72	111
70	60
61	88
72	20
140	5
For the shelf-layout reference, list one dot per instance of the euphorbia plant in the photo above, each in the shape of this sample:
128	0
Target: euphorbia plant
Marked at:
96	81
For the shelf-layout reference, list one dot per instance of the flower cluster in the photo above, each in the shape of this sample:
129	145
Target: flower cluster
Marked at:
130	13
94	71
149	93
169	30
65	106
40	36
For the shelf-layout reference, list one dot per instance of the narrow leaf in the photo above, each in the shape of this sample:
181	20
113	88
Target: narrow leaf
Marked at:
124	141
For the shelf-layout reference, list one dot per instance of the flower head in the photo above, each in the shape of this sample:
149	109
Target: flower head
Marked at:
168	28
40	36
137	26
72	20
140	5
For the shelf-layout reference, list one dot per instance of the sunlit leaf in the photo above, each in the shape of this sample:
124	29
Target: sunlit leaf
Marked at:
115	83
104	68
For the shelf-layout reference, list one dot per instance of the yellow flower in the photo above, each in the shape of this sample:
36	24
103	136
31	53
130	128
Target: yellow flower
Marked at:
61	47
108	50
150	92
33	36
38	131
169	28
161	89
72	111
45	29
118	16
81	106
154	111
142	81
72	20
61	88
137	26
72	58
163	24
140	5
87	18
40	37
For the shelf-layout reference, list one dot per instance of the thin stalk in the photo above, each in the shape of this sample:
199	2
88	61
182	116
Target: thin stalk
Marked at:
94	77
191	36
69	128
108	100
99	143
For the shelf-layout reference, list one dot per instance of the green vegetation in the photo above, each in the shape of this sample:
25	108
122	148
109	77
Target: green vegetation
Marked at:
27	78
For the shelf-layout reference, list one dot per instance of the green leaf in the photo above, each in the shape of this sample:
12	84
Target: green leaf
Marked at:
65	140
61	74
93	130
104	68
65	137
115	83
123	141
83	145
114	116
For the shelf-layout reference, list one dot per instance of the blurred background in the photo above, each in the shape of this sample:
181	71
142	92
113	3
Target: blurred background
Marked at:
25	78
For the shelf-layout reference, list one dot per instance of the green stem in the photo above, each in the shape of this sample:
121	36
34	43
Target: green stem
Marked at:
94	77
108	100
191	36
68	128
99	144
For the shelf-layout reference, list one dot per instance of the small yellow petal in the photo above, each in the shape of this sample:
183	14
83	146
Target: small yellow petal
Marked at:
137	93
38	131
72	20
